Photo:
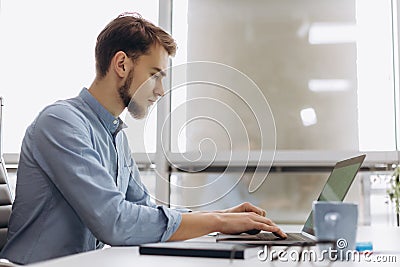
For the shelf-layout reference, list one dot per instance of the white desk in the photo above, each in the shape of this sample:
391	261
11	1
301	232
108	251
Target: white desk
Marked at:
385	239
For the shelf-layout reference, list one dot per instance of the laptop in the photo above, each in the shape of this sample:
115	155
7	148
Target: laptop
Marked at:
335	189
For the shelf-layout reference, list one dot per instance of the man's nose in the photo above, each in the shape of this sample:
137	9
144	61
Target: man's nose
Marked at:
159	90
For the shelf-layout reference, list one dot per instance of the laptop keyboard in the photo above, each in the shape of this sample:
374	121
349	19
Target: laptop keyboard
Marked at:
290	237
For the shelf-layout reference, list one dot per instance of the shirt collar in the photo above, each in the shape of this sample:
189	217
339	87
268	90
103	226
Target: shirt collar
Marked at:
113	124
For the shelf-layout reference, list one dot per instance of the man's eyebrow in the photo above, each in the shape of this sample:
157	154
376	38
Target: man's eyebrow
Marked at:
160	71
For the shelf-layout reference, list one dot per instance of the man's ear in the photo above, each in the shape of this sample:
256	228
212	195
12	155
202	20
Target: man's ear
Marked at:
119	64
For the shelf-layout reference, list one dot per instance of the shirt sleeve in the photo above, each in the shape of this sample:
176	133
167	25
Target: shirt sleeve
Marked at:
64	150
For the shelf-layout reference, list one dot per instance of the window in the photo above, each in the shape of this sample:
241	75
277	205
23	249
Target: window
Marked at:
325	68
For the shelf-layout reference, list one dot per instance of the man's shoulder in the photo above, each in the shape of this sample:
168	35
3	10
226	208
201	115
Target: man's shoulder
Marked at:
70	110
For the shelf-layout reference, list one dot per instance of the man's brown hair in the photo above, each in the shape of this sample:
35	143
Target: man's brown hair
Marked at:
131	34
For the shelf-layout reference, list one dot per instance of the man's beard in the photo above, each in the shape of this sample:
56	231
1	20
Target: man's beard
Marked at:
134	109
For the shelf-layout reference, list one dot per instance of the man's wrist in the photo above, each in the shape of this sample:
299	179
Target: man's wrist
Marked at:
216	219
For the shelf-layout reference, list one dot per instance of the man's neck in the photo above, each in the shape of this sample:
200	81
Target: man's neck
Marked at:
105	92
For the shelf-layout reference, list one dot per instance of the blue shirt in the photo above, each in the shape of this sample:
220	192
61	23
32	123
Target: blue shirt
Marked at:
77	183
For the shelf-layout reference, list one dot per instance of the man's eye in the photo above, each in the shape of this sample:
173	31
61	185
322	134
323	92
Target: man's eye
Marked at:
155	76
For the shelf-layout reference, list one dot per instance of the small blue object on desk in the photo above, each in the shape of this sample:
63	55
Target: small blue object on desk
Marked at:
364	246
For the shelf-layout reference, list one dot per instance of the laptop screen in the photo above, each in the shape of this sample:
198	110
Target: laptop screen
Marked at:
337	185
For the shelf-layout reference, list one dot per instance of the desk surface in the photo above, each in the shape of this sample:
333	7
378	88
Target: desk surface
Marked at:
386	242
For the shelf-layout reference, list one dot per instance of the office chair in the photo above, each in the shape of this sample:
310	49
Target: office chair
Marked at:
6	197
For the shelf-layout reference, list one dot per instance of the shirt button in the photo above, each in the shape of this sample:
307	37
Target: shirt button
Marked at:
115	122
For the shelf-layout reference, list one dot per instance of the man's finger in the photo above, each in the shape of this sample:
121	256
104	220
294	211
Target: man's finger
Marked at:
270	226
275	230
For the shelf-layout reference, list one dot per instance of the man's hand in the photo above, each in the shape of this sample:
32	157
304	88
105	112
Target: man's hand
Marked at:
234	223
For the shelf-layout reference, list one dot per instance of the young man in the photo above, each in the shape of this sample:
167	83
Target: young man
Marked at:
75	186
